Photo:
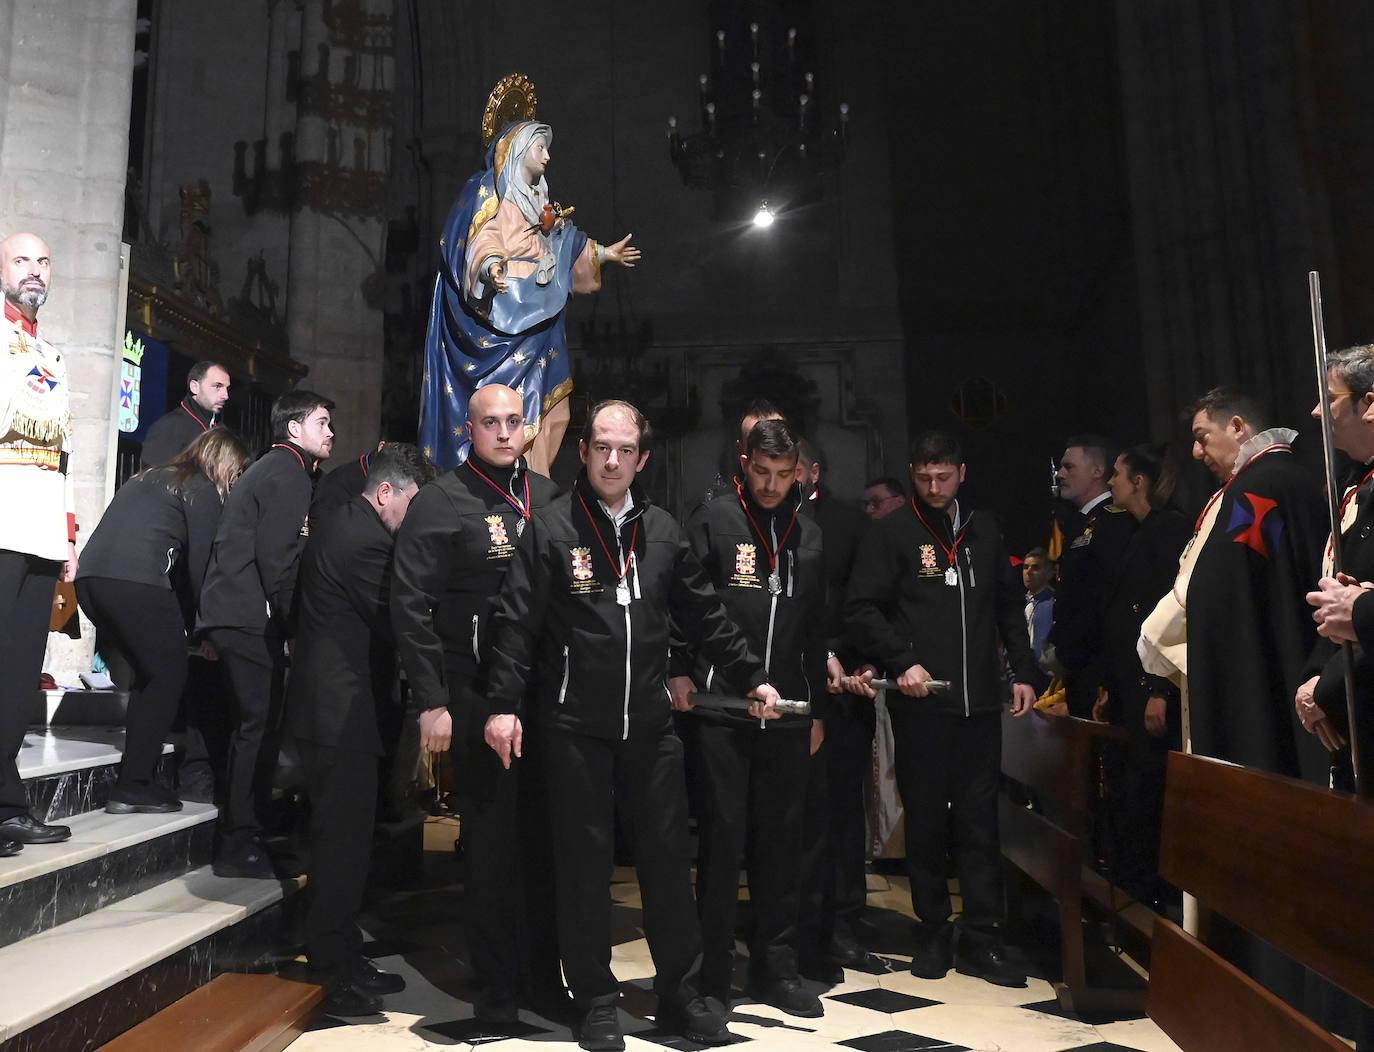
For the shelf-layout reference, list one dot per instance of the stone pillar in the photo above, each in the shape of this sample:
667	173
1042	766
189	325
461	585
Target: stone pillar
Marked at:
66	70
334	297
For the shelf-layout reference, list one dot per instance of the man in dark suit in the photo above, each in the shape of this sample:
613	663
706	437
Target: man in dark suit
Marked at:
331	711
450	560
245	606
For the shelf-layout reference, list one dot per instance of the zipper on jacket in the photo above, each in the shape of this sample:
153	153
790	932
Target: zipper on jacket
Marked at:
968	556
963	627
477	657
620	551
567	672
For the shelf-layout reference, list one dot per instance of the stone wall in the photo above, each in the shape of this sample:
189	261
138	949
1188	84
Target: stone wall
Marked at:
65	76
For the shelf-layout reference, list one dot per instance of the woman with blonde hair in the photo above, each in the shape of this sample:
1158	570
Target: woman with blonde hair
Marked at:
161	518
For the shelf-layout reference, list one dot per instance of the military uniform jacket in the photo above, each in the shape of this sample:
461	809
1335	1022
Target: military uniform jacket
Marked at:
172	432
342	612
1090	560
788	629
594	666
257	550
452	553
907	606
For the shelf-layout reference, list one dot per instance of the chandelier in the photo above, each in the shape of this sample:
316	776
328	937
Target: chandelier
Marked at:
768	129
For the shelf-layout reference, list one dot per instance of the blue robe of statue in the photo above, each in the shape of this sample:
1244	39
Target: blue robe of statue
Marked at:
477	336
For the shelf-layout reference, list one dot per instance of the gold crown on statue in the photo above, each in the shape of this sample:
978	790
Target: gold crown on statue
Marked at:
512	100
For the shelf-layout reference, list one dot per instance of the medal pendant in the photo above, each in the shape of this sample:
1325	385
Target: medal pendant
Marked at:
519	526
952	577
774	583
622	592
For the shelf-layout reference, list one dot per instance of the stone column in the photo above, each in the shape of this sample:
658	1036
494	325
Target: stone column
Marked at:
66	70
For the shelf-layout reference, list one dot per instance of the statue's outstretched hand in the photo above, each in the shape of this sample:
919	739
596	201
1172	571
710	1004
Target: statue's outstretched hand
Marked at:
623	252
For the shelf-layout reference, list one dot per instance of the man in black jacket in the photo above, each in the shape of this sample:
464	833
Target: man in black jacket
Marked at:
207	392
451	557
331	710
583	619
934	596
764	558
245	605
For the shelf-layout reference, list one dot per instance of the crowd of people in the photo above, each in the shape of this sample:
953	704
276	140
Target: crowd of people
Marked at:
590	661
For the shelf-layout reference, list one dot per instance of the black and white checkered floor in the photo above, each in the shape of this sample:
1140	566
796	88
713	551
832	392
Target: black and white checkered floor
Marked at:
418	934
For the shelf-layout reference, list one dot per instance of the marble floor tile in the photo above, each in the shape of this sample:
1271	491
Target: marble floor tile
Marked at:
989	1028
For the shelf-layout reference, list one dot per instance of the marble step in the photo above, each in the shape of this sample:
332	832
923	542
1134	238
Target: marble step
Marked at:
69	770
79	984
108	858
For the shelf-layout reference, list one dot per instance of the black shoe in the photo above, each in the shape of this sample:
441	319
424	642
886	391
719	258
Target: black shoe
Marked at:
987	960
149	799
788	995
600	1030
848	953
347	1000
696	1021
28	830
933	955
9	847
367	976
826	972
250	862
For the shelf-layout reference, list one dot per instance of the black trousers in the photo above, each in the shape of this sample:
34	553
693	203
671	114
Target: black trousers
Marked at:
342	785
749	794
508	863
948	771
256	667
26	590
585	776
145	622
836	887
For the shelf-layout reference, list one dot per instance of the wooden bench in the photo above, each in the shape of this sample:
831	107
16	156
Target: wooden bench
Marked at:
1289	862
1056	759
232	1013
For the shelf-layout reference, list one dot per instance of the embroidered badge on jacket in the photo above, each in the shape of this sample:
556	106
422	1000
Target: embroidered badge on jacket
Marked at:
581	564
496	527
927	557
746	559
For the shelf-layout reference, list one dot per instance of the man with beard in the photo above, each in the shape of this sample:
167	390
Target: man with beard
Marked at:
451	557
207	393
933	595
38	528
583	617
764	558
246	607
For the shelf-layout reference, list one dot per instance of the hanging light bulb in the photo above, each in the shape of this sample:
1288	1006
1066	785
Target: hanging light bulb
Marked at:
763	218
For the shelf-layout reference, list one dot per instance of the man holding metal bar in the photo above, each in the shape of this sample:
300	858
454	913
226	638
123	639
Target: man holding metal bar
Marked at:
1320	701
583	617
934	594
749	776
